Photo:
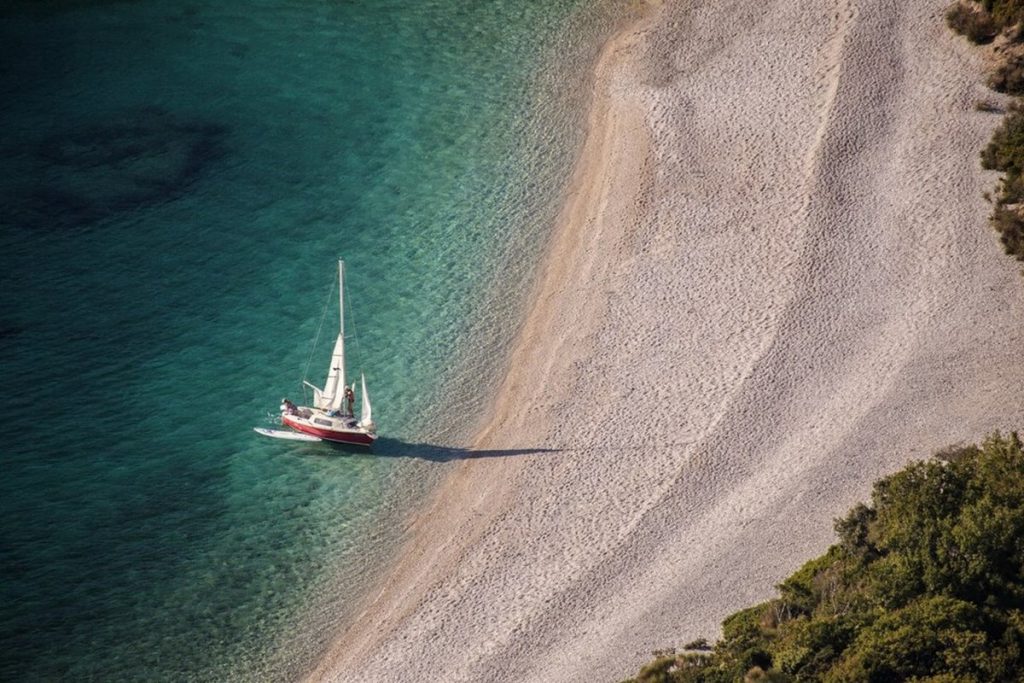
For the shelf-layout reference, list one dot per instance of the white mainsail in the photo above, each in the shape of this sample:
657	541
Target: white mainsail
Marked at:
334	390
332	396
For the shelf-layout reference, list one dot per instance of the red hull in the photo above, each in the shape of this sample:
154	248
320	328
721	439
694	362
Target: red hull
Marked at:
352	438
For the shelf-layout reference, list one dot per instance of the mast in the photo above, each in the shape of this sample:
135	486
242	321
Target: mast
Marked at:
334	390
341	311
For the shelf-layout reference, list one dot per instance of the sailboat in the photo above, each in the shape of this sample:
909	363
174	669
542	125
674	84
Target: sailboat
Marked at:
332	416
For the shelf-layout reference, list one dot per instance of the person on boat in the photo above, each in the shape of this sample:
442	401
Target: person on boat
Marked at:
288	407
350	400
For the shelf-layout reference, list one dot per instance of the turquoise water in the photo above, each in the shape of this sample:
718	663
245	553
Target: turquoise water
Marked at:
178	182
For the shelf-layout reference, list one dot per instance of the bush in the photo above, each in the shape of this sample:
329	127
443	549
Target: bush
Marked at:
981	21
1009	76
1010	225
935	635
973	22
1005	13
1005	152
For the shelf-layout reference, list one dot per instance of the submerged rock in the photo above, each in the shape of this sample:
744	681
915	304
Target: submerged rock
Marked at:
80	176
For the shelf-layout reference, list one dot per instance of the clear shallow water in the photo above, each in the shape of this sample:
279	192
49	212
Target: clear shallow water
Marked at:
178	180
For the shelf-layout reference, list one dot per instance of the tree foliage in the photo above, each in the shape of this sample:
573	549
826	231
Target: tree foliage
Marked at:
926	584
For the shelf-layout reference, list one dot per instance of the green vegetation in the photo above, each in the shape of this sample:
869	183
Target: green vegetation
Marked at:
982	21
1006	153
1008	76
973	22
925	584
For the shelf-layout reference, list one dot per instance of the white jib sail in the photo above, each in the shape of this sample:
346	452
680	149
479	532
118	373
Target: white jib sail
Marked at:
318	395
365	410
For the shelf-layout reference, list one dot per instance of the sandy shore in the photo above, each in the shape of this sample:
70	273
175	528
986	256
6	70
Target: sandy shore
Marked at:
770	285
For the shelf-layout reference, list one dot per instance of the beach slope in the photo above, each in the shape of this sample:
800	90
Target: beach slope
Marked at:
770	284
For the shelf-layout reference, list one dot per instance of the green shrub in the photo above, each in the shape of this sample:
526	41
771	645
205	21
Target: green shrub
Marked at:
1011	190
758	675
1010	225
699	644
981	21
973	22
743	631
934	635
1005	13
658	671
1005	152
1008	76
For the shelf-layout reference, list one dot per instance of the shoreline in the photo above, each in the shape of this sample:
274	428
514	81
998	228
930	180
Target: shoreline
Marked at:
444	514
752	306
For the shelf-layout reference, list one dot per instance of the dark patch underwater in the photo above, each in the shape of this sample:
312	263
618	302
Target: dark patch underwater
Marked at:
94	171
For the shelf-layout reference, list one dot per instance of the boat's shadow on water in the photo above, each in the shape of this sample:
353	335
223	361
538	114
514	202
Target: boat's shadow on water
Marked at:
396	448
